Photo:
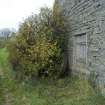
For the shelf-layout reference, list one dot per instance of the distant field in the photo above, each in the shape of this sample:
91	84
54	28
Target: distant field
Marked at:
68	91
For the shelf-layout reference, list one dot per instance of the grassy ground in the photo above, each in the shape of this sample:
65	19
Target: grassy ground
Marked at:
68	91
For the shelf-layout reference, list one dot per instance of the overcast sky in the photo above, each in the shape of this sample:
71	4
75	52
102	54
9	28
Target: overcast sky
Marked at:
12	12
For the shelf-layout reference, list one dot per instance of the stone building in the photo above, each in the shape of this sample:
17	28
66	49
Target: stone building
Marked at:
87	37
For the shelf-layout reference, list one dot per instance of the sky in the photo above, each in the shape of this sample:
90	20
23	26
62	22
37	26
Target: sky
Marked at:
13	12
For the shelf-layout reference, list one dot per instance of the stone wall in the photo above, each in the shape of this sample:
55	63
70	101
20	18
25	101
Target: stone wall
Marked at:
87	17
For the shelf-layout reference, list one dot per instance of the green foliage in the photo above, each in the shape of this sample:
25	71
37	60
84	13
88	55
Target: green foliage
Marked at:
61	27
68	91
3	56
2	42
34	51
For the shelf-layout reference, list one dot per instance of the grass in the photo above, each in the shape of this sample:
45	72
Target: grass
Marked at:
68	91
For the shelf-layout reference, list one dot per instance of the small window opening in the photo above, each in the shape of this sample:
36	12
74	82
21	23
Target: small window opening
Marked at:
80	48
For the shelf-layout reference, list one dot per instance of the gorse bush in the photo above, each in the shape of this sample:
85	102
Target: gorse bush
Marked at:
32	60
37	50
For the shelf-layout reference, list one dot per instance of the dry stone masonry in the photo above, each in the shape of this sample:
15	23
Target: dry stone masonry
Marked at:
87	37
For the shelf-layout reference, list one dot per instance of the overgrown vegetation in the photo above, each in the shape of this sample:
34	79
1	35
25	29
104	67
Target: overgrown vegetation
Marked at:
67	91
39	46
